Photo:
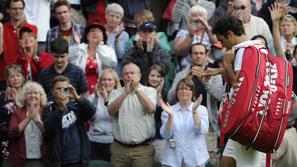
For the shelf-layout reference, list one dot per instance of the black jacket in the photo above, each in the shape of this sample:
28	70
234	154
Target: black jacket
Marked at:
52	120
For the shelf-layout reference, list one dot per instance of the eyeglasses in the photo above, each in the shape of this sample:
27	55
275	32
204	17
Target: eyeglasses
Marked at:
239	7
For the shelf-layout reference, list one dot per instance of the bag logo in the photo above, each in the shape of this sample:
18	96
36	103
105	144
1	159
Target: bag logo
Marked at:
233	93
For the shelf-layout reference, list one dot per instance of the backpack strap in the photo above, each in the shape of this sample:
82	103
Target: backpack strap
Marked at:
254	90
268	160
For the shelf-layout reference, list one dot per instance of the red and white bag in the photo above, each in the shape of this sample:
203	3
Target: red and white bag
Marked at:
256	110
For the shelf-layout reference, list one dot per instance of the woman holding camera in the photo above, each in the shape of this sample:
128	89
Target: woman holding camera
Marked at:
199	31
26	127
184	126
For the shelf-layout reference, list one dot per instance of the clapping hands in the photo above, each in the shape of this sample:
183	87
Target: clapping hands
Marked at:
197	103
166	106
101	90
132	85
33	111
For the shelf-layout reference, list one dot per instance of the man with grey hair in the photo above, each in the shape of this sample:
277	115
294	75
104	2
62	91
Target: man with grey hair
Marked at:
132	108
253	25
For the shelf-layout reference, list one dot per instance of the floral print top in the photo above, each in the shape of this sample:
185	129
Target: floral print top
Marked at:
6	109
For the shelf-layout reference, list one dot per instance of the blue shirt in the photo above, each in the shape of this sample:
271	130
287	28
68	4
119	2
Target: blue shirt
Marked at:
190	140
75	74
71	139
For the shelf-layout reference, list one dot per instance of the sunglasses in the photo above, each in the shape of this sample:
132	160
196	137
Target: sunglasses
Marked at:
239	7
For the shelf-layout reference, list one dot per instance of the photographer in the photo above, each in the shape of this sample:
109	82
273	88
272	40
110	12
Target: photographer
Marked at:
146	51
66	138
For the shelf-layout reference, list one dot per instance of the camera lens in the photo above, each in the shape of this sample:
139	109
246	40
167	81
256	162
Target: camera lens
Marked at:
196	22
66	89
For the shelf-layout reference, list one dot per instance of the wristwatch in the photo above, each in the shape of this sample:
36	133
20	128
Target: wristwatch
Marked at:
194	112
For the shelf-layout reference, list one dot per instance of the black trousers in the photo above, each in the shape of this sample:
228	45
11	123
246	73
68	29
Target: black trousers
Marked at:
100	151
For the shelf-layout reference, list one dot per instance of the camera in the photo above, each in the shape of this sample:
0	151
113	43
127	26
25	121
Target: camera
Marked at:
196	22
172	143
66	89
288	54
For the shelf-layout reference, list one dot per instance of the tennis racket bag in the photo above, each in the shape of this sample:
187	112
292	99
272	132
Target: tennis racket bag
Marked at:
255	111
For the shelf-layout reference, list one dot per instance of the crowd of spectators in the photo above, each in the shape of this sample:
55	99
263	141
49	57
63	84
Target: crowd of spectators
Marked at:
122	82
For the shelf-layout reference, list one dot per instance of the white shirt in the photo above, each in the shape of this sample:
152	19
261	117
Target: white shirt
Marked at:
284	42
190	141
101	127
258	26
133	124
239	53
74	2
33	141
37	12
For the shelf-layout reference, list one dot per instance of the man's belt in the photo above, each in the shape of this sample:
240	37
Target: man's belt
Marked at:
146	142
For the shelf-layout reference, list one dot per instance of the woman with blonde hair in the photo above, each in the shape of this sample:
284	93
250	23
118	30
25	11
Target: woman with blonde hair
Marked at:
15	79
288	31
26	127
284	29
100	132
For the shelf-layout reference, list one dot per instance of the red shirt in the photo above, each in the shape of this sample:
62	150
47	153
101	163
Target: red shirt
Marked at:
17	151
92	74
99	15
66	33
44	60
11	48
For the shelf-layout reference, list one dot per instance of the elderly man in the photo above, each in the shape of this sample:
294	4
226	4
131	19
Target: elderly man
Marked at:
132	108
253	25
